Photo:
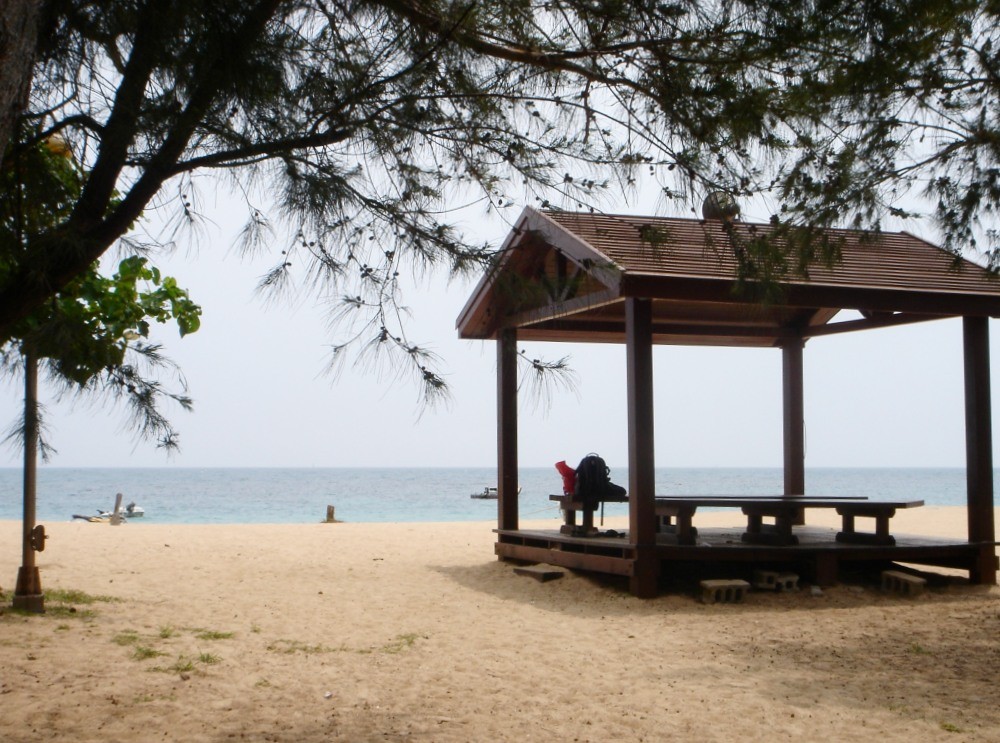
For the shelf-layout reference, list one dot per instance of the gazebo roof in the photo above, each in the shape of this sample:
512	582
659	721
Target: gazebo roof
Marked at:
565	276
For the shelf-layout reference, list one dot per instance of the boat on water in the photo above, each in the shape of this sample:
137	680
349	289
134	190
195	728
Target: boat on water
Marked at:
131	511
489	494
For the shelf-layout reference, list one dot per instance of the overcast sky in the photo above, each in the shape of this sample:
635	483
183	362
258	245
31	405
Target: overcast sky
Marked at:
890	397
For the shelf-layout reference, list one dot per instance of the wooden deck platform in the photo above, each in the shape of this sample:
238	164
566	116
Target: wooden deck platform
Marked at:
818	557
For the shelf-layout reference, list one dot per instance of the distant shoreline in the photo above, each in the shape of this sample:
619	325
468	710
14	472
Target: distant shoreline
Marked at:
931	520
412	495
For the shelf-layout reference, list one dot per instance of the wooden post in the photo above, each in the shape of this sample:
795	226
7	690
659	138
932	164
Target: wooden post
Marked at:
979	446
116	514
507	428
794	417
793	421
28	590
641	464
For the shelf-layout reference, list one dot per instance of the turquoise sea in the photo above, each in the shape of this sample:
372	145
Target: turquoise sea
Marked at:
224	496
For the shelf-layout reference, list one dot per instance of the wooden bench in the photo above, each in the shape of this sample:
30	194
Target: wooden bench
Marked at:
785	510
570	506
683	507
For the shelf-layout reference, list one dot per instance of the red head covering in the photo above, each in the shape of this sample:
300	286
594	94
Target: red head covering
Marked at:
568	477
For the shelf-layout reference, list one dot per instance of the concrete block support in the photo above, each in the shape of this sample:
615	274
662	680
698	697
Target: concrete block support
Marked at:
723	591
770	580
897	581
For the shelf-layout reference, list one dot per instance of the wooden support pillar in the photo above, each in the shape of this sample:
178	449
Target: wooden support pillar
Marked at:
794	417
507	429
641	464
979	445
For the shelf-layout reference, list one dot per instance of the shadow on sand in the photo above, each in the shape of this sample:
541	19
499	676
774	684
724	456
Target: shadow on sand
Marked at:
593	594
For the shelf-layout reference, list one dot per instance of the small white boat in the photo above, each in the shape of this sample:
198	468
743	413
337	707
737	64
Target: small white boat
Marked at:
489	494
131	511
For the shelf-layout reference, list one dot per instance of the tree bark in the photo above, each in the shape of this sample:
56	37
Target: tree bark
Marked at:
18	40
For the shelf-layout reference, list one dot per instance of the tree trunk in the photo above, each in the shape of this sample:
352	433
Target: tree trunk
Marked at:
28	591
18	41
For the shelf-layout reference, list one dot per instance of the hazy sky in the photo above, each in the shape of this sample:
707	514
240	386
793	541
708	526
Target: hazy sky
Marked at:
889	397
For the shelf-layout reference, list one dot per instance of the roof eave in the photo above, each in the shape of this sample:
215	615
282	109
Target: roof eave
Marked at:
656	286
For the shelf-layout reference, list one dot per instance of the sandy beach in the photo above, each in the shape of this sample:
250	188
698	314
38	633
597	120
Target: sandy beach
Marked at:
399	632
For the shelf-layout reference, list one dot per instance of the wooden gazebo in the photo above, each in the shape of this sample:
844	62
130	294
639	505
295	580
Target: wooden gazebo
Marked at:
641	281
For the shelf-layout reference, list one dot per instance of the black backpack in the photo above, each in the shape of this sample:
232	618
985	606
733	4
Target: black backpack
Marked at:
592	480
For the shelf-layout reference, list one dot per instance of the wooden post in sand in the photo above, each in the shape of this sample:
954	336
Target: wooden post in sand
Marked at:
116	515
330	519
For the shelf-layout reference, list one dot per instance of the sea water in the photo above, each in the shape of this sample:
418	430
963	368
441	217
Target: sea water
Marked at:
246	495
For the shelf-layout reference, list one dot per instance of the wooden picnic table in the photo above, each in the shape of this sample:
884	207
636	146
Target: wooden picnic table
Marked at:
676	515
785	510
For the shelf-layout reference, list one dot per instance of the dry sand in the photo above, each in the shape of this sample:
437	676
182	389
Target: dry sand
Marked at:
365	632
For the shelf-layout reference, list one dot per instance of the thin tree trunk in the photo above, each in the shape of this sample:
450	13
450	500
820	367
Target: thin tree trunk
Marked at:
28	592
30	452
